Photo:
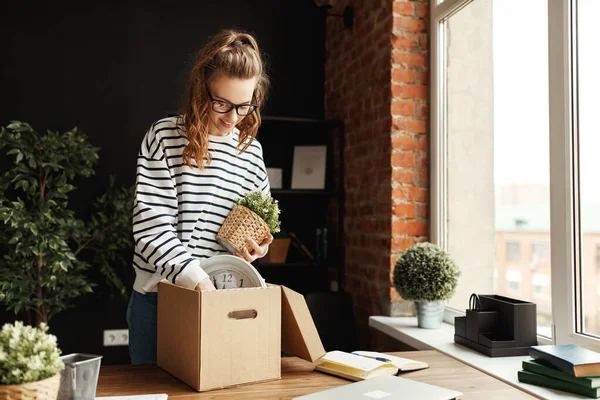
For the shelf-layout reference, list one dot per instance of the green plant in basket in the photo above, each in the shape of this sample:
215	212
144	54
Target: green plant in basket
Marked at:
254	216
425	272
266	207
27	354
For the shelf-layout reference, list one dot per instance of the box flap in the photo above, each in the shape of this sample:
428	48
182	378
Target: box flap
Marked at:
177	314
299	334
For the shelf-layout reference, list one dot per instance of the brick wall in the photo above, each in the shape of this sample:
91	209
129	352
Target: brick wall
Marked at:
376	81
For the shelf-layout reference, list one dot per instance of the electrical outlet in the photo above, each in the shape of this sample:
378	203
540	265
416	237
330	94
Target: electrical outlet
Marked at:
116	337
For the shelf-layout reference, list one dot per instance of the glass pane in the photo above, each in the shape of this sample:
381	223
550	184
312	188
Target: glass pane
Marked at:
497	144
588	61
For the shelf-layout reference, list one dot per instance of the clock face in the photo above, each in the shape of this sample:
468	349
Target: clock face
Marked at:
229	279
230	272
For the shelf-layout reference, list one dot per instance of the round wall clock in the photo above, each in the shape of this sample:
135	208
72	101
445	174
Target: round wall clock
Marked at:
229	272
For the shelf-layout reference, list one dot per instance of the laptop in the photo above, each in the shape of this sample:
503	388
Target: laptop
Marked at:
385	387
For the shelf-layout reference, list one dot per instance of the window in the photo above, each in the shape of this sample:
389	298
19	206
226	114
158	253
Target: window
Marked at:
490	144
514	286
575	196
539	253
587	143
540	284
493	138
513	281
513	251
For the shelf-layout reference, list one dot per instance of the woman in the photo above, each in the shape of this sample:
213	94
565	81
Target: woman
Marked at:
190	170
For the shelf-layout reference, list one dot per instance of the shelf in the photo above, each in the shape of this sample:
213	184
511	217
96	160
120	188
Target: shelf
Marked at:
325	122
303	192
293	265
279	135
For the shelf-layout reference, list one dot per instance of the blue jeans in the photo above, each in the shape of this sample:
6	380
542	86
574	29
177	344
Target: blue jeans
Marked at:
141	318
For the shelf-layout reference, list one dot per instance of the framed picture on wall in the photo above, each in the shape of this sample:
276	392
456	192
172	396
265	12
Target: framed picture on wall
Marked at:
308	170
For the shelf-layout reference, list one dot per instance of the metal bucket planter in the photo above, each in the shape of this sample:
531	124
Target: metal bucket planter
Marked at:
430	314
79	377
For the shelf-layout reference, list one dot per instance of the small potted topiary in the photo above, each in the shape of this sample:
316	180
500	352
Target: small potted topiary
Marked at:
427	275
30	363
254	216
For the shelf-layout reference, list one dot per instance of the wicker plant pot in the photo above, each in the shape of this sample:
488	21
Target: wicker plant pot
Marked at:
46	389
241	223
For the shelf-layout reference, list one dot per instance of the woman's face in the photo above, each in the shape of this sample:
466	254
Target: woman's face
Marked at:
226	91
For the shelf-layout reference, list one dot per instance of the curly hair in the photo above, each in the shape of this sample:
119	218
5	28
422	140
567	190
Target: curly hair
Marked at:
232	54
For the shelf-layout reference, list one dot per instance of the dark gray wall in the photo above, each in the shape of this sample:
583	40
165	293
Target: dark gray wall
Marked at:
112	68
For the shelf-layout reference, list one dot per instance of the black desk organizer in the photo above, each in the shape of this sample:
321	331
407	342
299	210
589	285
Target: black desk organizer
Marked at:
497	326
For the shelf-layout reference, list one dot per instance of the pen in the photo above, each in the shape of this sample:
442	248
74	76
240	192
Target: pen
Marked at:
374	358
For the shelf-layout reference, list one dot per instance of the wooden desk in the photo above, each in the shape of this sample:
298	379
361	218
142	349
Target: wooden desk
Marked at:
298	378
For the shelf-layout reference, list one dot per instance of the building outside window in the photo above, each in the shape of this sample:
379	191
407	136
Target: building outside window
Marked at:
539	252
598	258
540	284
513	281
513	251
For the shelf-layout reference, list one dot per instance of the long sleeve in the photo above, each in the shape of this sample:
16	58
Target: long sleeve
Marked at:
155	221
261	180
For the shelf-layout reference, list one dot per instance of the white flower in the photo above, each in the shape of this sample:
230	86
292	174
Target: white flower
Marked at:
27	354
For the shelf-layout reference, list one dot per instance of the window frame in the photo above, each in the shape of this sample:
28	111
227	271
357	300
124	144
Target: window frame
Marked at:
564	237
564	207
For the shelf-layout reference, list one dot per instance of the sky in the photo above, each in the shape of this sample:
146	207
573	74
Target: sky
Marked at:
521	126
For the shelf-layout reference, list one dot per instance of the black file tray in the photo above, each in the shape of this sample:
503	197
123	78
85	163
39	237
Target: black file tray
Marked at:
498	326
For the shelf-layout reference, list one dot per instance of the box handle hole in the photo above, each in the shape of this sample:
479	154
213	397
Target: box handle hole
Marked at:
243	314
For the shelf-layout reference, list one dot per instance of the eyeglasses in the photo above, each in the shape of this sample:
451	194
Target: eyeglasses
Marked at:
223	107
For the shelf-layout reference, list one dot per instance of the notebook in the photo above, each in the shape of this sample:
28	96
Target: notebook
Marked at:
539	367
360	365
568	358
385	387
549	382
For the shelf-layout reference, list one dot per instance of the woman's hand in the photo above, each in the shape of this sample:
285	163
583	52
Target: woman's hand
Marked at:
256	250
205	285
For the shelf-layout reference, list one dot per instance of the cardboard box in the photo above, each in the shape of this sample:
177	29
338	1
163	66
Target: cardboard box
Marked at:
212	340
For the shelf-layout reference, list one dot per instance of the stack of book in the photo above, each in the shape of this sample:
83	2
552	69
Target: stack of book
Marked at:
569	368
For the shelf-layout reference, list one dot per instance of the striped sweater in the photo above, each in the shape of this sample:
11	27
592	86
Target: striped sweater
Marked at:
178	210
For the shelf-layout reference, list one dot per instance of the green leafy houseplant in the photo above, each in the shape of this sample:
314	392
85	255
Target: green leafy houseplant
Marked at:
27	354
44	245
253	216
266	207
425	272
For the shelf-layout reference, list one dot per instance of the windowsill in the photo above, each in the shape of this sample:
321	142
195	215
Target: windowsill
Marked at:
505	369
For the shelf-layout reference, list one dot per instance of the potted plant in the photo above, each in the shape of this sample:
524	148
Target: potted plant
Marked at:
30	363
253	216
427	275
46	249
